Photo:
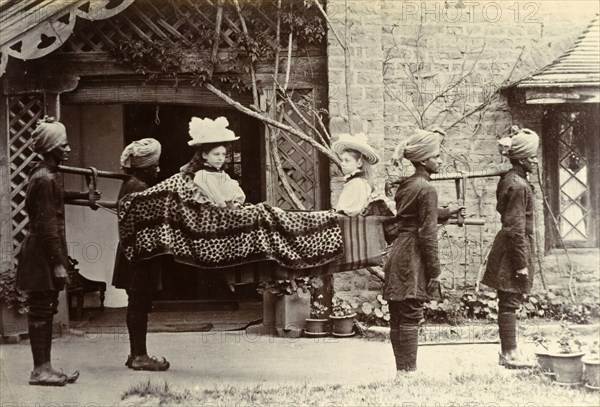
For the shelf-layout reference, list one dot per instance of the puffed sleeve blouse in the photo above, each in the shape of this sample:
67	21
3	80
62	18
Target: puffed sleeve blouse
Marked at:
355	195
217	187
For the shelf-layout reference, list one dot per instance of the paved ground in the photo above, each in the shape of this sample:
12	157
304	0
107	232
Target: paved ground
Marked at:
113	319
206	359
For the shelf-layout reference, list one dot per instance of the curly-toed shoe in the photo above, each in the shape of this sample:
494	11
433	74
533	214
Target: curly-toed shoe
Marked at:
47	378
152	364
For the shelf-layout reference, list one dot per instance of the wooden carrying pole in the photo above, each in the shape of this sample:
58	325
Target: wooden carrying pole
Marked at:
460	180
92	175
460	175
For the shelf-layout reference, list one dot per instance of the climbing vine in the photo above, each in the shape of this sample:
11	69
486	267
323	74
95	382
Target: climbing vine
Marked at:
258	44
197	57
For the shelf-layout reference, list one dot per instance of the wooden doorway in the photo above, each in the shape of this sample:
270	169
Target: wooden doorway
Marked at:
169	124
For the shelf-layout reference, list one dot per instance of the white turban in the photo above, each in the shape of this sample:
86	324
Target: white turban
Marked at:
47	135
141	153
421	146
522	144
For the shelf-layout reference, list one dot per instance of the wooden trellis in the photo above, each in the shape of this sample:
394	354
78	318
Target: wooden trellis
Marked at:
24	111
300	161
171	21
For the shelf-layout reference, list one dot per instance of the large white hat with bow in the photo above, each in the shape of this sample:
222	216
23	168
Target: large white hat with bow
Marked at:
203	131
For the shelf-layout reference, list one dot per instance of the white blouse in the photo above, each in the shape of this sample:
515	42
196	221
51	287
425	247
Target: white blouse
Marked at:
217	187
355	196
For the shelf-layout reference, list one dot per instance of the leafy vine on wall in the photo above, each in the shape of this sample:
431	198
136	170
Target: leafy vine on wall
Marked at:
199	55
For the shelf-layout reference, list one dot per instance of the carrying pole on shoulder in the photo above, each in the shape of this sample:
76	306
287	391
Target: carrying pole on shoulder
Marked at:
92	174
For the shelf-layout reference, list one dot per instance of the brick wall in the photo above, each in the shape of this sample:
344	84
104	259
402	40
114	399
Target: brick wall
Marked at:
489	42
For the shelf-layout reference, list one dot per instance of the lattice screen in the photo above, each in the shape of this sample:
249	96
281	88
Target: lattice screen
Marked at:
301	163
573	177
168	20
24	111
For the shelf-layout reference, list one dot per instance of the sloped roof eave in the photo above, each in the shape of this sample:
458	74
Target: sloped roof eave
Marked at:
577	67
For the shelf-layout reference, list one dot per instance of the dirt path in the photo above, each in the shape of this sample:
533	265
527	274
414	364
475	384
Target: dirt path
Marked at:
213	358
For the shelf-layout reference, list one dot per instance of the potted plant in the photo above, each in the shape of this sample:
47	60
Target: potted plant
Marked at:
542	344
566	357
342	316
592	368
316	325
290	300
13	319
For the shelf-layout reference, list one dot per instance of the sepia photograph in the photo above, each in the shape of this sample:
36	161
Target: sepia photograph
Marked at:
333	203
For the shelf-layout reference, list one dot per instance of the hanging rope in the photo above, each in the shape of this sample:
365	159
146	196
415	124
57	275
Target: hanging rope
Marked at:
156	118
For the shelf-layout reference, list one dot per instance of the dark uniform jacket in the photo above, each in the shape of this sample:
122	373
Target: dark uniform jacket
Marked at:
45	245
144	275
413	259
513	246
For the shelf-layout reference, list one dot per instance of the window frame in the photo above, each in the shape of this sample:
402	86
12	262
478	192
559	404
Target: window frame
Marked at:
551	168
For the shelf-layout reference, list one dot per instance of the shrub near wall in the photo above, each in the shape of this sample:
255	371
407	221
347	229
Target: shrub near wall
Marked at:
457	308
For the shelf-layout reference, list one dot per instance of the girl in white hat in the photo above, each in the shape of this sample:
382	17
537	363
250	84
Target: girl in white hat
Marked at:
357	157
210	182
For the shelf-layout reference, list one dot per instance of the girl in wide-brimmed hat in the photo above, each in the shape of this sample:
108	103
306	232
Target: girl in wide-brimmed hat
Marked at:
357	156
210	182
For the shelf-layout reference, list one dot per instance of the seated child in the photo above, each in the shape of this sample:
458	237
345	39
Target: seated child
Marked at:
357	157
210	183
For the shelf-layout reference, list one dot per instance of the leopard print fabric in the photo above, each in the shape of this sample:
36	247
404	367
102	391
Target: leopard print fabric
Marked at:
165	219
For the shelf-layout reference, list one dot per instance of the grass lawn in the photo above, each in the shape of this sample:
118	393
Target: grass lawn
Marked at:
492	388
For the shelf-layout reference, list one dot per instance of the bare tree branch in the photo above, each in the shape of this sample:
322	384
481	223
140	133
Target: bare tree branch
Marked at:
331	27
300	114
289	62
247	37
283	177
347	59
217	35
268	120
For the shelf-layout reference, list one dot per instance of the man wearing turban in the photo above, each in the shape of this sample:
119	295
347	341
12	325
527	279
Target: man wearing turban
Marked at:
142	153
43	260
140	160
412	272
509	267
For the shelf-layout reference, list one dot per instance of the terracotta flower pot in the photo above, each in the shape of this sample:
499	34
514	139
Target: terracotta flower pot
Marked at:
592	373
12	322
568	368
545	363
343	326
316	327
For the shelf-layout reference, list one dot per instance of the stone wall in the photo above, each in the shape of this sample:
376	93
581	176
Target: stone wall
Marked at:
402	54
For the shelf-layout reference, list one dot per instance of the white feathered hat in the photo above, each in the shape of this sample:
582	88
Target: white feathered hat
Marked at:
357	142
203	131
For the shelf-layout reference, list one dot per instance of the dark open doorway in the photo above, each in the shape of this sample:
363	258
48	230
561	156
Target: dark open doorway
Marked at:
169	124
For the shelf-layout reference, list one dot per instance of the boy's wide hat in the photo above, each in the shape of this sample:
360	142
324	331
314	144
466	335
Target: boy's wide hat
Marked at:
357	142
203	131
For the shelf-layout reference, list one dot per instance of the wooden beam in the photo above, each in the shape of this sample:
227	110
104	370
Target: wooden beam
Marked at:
562	96
134	91
309	68
41	84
